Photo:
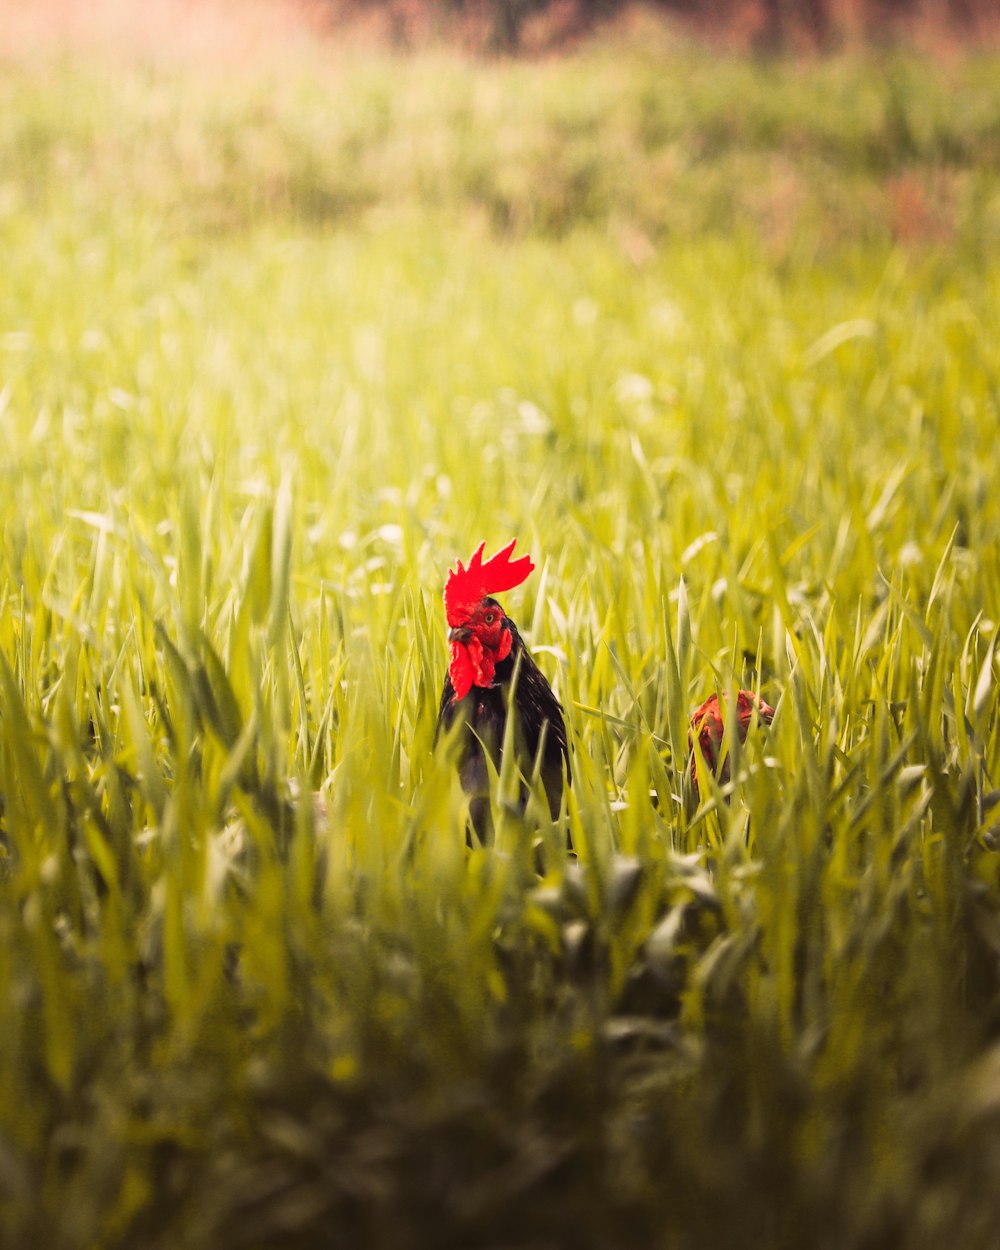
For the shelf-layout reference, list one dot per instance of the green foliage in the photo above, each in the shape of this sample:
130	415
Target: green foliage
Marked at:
256	990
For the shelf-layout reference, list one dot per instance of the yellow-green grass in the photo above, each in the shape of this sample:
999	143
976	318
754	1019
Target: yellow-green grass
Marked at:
273	354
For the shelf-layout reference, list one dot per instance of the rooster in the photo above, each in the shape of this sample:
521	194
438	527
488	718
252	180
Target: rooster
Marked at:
708	724
486	648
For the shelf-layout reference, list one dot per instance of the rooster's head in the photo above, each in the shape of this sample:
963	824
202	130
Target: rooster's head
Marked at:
479	633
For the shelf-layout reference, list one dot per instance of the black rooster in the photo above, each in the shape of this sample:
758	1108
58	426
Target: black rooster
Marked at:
486	648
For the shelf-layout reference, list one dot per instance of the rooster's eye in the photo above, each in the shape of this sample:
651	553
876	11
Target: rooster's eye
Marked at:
489	618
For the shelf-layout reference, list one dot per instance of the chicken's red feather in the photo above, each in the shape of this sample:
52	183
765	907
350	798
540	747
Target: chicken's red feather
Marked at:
708	723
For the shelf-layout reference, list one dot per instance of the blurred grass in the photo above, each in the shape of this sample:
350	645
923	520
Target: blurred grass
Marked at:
717	343
669	140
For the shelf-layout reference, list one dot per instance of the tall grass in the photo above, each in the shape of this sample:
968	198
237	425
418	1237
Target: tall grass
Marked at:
257	991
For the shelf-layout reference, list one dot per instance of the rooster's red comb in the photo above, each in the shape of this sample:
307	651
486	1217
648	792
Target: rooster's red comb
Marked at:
467	587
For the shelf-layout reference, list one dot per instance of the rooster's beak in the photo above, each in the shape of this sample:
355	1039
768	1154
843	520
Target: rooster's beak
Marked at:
459	634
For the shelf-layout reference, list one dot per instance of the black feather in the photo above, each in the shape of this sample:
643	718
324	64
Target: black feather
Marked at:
484	712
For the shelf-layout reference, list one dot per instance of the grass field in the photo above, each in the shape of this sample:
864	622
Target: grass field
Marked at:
717	342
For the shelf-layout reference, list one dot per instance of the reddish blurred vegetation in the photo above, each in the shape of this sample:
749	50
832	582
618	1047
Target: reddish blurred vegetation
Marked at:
760	25
236	30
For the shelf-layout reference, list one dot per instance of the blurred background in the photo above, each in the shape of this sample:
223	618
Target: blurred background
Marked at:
507	25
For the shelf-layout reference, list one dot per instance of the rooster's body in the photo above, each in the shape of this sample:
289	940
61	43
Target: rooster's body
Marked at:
486	652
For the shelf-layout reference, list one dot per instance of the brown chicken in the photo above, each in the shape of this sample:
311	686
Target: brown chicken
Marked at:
708	724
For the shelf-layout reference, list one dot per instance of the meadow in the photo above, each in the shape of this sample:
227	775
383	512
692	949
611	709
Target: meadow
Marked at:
716	340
